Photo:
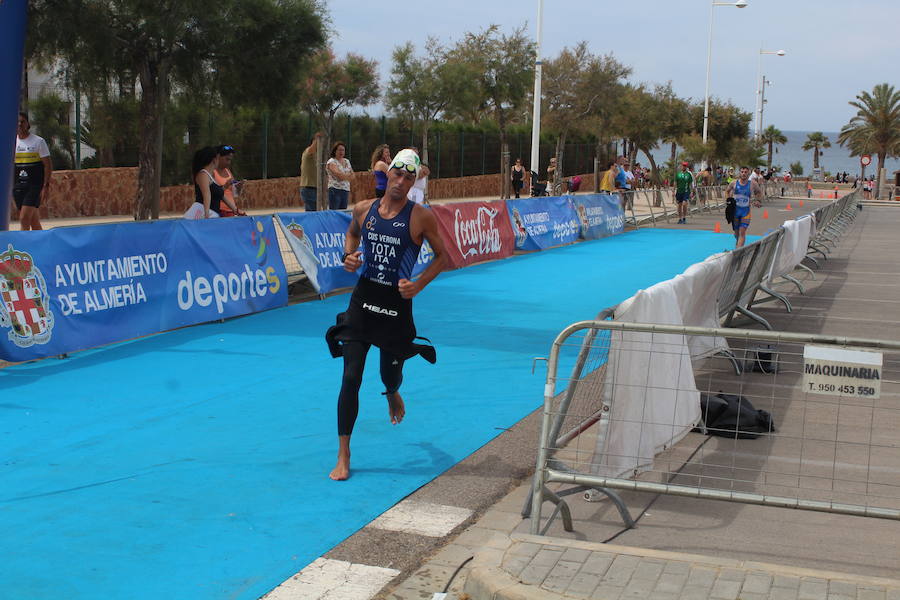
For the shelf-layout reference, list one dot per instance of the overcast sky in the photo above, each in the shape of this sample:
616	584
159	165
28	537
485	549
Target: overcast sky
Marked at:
834	48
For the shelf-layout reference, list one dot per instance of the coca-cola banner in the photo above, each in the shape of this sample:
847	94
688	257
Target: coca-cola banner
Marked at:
475	231
600	215
540	223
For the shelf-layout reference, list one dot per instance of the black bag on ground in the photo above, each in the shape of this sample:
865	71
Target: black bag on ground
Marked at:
731	416
730	206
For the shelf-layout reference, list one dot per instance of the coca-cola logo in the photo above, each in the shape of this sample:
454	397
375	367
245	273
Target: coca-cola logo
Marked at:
478	235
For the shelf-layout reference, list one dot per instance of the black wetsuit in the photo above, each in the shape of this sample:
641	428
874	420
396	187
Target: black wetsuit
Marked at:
378	315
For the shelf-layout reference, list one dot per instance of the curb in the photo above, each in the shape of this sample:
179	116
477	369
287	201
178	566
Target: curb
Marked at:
488	580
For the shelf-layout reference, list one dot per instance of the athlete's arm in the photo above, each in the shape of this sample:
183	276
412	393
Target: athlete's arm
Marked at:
424	222
352	253
48	171
757	192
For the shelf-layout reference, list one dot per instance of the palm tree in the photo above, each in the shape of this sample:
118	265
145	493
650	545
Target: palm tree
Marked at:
772	136
813	141
876	126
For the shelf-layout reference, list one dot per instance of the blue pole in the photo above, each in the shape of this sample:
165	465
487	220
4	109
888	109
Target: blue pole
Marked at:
12	47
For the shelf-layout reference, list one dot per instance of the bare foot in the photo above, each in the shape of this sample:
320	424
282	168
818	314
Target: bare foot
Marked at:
341	470
396	408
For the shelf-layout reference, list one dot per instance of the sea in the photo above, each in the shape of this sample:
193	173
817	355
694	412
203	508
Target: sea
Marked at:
832	160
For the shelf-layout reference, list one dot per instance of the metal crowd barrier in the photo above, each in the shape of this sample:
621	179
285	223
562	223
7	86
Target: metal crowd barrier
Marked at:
659	203
832	221
744	277
577	412
830	445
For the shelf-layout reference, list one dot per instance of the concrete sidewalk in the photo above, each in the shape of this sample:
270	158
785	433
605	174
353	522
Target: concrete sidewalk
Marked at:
690	549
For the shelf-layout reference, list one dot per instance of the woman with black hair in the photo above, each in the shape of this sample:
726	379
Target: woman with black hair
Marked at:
208	194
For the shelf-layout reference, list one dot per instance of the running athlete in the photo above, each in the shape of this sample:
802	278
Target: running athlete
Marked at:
32	175
684	187
390	230
742	189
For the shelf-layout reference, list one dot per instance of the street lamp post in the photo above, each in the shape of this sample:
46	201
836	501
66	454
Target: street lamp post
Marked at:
737	4
536	114
761	89
762	105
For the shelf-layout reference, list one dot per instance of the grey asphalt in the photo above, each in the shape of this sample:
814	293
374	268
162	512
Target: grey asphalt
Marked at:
855	293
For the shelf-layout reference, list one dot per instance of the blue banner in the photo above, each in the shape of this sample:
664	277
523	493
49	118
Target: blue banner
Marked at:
73	288
541	223
317	239
12	46
600	215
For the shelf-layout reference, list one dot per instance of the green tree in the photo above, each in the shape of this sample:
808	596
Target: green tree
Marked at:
814	141
646	117
421	87
796	168
727	125
171	43
331	85
747	153
695	151
876	125
575	86
772	136
50	116
500	68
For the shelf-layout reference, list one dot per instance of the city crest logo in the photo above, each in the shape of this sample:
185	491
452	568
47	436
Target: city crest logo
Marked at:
24	302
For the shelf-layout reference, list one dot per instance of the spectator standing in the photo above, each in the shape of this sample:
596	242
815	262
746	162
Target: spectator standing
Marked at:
208	194
309	173
608	179
638	175
517	175
381	158
340	173
33	170
551	176
420	187
630	180
684	189
223	176
620	179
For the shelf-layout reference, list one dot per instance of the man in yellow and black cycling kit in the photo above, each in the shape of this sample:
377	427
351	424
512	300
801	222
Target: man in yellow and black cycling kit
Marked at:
31	180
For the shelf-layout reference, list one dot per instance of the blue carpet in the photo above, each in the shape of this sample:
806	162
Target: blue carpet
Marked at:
193	464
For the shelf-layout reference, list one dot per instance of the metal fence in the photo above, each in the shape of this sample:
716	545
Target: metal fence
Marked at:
623	419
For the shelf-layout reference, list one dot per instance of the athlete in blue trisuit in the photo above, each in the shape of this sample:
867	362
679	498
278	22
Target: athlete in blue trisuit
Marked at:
391	230
742	189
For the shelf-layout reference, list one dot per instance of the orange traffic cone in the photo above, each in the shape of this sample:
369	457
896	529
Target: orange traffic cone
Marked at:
765	213
788	207
801	204
717	228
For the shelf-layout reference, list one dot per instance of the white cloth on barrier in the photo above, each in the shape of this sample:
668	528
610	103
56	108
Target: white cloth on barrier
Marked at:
304	252
697	290
793	246
649	386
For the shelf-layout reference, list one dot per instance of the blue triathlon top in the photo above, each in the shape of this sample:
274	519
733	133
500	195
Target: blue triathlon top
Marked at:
380	180
388	248
742	194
